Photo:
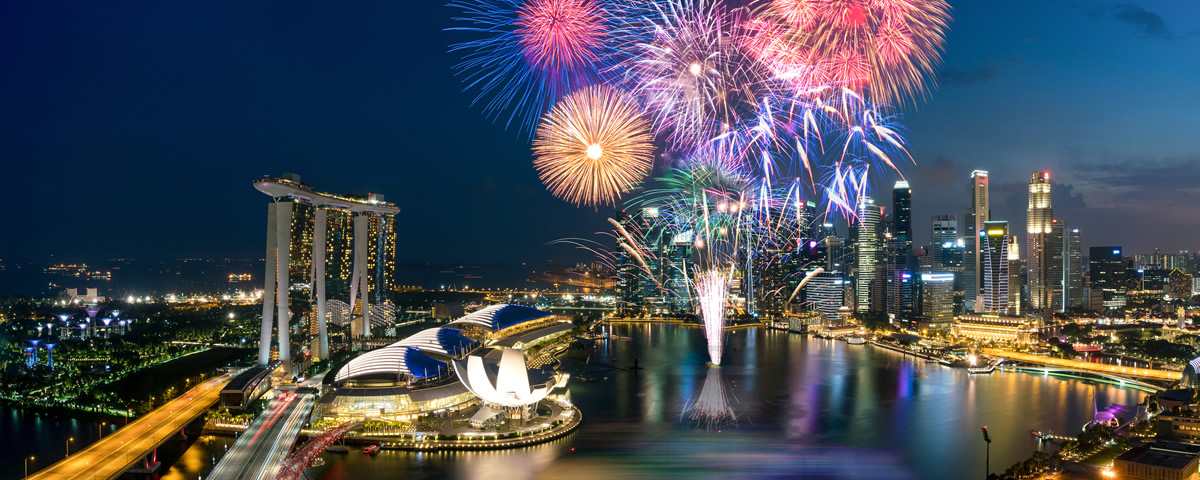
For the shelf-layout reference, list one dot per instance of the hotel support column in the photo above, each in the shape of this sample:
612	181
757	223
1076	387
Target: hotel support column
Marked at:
268	299
318	282
360	268
283	234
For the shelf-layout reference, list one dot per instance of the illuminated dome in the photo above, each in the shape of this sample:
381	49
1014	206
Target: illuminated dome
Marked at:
409	358
499	317
1191	379
508	383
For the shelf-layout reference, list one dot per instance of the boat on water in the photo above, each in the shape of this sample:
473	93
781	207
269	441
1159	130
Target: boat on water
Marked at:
371	449
856	340
337	449
319	461
981	370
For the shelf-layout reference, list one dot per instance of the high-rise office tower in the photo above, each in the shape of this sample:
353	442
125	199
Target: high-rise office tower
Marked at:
824	292
994	253
868	248
1039	217
944	230
902	213
1074	270
937	298
1056	263
1107	272
1015	266
973	219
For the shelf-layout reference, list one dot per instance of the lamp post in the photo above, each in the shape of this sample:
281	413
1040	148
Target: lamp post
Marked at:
69	440
27	465
100	429
987	456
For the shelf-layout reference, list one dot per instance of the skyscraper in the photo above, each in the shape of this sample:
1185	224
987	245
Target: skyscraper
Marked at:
1056	264
937	299
1015	266
867	250
944	231
1108	276
973	219
1074	270
902	213
1039	217
994	252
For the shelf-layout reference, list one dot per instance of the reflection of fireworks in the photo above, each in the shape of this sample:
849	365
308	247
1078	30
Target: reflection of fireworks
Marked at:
712	287
593	146
529	55
713	406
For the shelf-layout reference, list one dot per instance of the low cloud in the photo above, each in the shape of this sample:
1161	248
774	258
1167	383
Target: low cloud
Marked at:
1149	24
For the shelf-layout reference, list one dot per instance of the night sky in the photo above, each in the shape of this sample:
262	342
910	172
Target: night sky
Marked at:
135	129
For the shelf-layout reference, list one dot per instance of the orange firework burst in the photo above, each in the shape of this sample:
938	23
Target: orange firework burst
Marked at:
593	146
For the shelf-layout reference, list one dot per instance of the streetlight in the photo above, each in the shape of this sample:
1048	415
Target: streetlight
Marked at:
100	429
69	440
27	465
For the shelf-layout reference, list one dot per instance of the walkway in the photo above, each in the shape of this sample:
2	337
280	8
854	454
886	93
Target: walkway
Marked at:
259	452
1097	368
111	456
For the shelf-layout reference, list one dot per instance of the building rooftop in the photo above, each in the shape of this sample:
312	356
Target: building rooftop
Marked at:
251	375
1171	455
499	317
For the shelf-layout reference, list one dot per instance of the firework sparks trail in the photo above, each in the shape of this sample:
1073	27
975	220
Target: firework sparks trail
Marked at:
593	146
712	287
526	55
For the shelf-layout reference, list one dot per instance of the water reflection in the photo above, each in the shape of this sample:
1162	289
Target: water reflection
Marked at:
712	408
803	407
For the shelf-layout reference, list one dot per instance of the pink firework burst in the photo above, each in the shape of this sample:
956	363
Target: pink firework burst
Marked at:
560	34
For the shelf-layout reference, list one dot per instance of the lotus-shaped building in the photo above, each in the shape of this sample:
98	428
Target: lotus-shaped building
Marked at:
506	383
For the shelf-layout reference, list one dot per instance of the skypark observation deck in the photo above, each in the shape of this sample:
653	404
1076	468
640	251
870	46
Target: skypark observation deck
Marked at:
283	187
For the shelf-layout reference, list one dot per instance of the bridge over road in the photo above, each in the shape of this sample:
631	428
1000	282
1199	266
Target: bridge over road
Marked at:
111	456
1114	371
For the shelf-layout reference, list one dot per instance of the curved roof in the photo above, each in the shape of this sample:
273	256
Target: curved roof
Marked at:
392	360
499	317
444	340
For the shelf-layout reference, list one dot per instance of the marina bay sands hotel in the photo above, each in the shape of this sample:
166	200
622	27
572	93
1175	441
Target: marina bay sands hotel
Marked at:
327	246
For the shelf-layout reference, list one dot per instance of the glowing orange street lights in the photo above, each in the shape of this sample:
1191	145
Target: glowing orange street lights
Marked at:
27	460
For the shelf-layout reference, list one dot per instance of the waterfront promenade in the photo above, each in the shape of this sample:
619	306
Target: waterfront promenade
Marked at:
111	456
1098	368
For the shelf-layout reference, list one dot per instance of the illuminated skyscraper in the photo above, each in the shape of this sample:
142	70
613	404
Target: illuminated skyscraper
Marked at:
1073	272
1039	218
994	252
1108	277
944	231
298	243
867	251
973	219
902	213
1015	267
1056	264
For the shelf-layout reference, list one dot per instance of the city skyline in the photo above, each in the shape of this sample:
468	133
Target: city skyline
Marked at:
128	144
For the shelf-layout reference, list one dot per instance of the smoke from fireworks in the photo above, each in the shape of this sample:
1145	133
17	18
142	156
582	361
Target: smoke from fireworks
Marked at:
593	146
712	287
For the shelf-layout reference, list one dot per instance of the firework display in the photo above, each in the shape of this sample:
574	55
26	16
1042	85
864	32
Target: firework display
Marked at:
771	117
593	146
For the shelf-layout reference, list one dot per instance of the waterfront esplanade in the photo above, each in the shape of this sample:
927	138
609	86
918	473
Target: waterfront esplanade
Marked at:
286	194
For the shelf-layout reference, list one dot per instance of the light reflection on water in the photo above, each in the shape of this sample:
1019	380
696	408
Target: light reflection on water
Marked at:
804	406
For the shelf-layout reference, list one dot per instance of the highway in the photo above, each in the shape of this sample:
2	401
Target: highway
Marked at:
260	451
1147	373
109	457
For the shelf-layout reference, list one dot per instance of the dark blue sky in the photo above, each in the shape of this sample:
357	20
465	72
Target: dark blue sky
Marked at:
135	128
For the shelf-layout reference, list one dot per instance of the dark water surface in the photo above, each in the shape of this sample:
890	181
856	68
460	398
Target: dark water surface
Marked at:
804	407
